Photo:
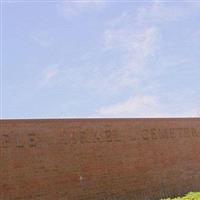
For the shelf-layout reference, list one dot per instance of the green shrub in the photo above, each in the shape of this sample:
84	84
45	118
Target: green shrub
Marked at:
189	196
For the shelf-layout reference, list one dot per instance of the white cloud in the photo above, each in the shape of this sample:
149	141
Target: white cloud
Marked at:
138	106
126	49
75	7
131	41
138	42
144	106
134	47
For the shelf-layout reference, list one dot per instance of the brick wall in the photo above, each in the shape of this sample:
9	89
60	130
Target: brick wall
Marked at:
101	159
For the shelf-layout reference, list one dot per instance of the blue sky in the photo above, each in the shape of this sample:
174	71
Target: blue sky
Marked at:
64	59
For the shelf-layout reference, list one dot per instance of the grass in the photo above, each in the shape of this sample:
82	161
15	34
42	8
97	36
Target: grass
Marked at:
189	196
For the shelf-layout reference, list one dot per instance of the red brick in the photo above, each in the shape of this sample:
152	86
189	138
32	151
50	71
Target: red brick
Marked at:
98	158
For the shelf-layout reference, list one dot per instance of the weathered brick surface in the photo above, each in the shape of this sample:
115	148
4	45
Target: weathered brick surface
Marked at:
98	159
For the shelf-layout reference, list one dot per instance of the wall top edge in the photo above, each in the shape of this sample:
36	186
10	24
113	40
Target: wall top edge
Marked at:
96	119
